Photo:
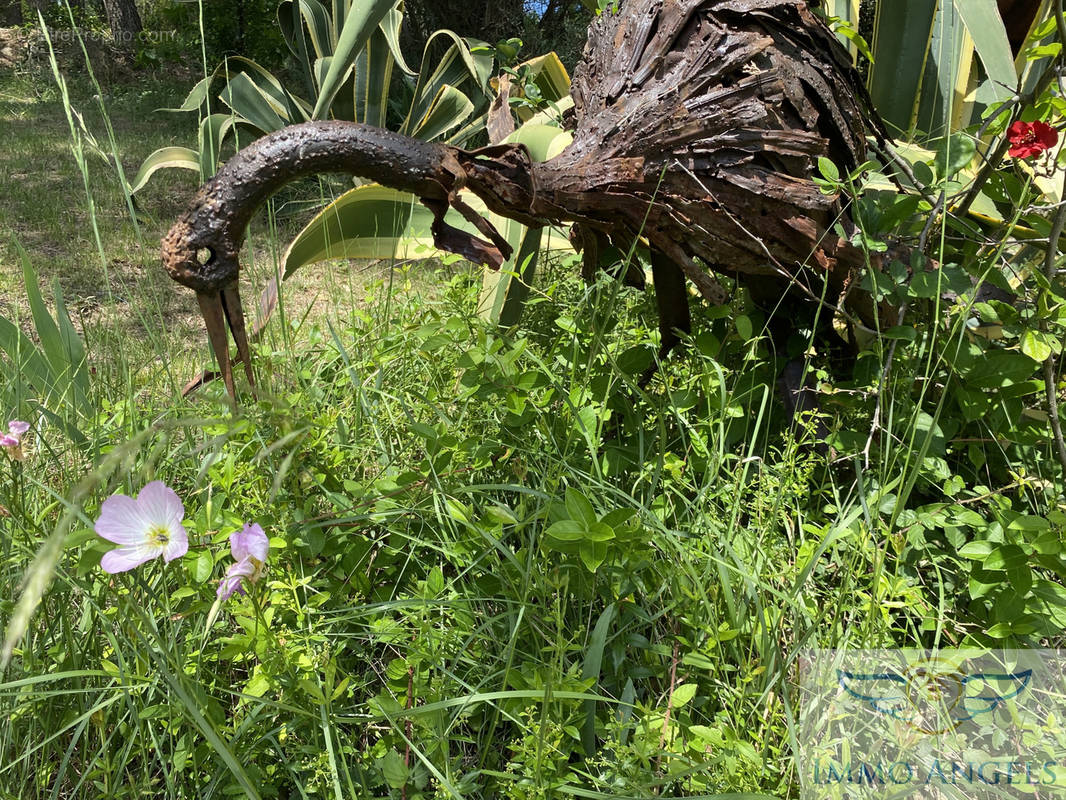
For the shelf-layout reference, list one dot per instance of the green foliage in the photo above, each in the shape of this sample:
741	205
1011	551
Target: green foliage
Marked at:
425	620
52	377
497	571
346	55
961	406
372	221
937	67
499	568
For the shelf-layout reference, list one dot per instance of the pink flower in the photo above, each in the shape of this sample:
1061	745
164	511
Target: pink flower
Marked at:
144	528
1029	139
12	440
249	548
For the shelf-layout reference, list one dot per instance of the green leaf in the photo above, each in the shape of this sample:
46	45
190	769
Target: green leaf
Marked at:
394	770
1000	368
976	551
371	78
1050	592
246	100
1005	557
370	221
213	130
504	290
599	532
390	27
903	333
949	62
435	581
269	88
448	108
954	153
591	670
682	694
316	21
1028	522
544	142
202	566
258	685
550	75
362	19
1038	345
579	507
567	530
828	169
593	554
55	345
164	158
1001	630
900	46
985	25
458	68
551	79
196	96
27	361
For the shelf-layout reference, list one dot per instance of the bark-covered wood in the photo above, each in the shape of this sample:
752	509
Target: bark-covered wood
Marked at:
10	13
124	21
698	126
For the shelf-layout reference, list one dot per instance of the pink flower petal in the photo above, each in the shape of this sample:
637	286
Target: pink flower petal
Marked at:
18	427
251	541
127	557
235	575
8	441
160	505
121	521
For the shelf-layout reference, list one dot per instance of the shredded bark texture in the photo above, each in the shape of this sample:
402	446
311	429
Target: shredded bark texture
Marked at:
698	129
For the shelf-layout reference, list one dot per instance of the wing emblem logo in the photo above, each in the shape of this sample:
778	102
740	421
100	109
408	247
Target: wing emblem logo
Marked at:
934	696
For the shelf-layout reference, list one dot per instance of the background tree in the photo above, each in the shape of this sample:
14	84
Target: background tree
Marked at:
543	25
10	12
124	20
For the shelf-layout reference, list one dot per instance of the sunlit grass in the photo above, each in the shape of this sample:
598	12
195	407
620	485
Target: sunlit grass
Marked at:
419	633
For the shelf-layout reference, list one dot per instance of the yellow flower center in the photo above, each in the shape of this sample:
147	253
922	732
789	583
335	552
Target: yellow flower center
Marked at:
258	569
159	534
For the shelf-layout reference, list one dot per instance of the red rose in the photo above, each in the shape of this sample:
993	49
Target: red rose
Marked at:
1028	139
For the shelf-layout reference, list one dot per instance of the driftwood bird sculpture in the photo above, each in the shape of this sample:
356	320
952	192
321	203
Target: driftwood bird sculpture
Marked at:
698	126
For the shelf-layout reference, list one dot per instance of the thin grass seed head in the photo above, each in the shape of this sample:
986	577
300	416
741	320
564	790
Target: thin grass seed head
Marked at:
144	528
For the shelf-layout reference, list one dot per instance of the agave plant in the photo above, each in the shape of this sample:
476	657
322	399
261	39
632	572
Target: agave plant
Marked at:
938	65
50	375
347	54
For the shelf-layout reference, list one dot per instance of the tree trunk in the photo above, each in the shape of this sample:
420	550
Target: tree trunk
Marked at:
124	20
10	13
1018	17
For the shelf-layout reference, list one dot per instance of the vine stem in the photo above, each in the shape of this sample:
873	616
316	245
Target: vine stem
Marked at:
669	701
1050	381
